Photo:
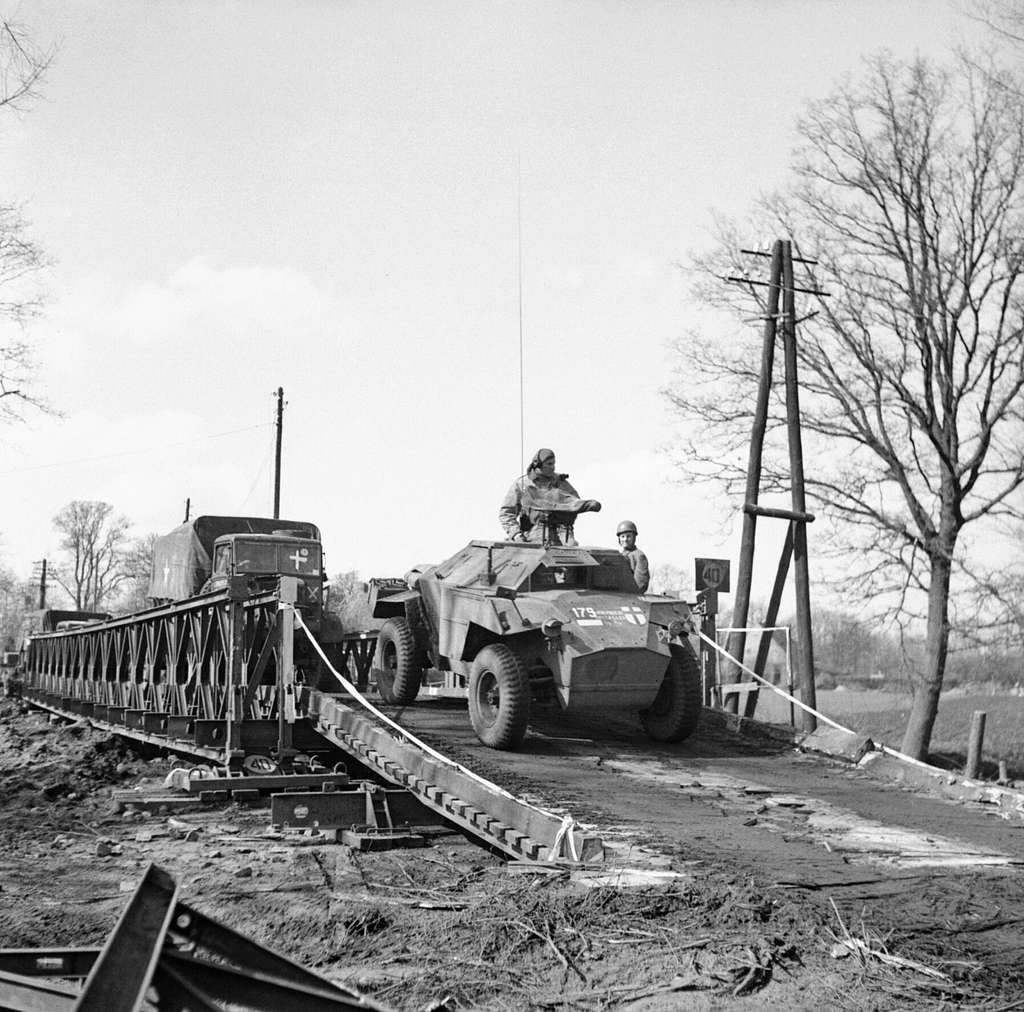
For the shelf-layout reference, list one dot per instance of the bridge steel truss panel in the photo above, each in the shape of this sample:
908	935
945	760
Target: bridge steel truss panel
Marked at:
204	670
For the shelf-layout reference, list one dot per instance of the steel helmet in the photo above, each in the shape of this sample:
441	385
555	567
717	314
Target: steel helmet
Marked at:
626	525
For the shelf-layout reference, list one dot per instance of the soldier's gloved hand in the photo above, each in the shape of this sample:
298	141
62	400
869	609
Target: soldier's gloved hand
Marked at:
590	506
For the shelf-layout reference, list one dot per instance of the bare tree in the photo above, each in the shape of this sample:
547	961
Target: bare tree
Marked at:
909	191
349	601
22	67
12	608
97	563
138	567
675	581
1004	17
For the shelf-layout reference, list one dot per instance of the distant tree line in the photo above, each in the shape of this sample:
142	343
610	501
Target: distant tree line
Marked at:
858	651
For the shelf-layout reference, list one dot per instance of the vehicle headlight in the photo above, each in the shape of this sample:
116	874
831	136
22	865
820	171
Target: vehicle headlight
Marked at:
551	628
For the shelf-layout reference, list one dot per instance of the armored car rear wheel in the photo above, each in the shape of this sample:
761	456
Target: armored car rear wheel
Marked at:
396	657
675	711
499	697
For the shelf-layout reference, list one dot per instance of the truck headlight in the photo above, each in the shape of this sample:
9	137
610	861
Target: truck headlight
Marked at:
551	628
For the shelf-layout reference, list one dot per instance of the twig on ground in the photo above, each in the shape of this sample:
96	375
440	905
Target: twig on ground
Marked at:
622	990
402	869
546	938
865	950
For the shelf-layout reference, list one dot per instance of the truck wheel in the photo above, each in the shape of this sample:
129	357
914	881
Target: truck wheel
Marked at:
675	711
499	697
396	656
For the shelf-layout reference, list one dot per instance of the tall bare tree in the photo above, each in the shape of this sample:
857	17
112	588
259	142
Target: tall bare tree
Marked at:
908	189
22	67
97	561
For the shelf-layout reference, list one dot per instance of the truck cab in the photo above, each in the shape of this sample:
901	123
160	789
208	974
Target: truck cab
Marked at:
263	558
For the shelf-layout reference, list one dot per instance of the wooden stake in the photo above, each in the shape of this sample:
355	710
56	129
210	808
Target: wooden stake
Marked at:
974	745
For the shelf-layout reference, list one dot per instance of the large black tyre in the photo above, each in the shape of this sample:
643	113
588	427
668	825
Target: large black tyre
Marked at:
499	697
675	711
397	657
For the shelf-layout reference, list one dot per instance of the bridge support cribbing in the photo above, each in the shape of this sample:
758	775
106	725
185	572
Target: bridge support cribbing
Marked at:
487	811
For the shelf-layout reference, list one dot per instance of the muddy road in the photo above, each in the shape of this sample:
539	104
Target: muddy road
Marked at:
944	878
760	878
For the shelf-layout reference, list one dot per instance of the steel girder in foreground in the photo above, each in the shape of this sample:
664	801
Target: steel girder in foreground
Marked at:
192	962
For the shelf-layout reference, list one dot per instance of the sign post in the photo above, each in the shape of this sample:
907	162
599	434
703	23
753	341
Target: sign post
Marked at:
711	577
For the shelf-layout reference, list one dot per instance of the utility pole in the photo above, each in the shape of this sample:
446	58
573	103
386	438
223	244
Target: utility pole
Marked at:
781	284
277	454
805	647
741	607
188	507
42	587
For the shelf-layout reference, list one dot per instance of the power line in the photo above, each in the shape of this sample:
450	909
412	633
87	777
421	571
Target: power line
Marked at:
259	473
134	453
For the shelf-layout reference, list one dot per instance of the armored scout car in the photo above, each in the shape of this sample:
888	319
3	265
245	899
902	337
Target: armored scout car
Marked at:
522	621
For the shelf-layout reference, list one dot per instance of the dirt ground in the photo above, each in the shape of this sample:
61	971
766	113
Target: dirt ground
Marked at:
452	926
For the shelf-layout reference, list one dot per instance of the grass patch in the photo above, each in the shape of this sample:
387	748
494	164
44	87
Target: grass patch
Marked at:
884	715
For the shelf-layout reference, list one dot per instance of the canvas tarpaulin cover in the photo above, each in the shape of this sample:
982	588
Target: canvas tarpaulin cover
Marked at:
182	559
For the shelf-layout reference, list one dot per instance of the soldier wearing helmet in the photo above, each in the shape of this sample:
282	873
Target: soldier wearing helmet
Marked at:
627	533
514	512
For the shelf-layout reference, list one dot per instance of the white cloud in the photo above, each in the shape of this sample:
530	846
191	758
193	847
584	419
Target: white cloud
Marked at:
199	300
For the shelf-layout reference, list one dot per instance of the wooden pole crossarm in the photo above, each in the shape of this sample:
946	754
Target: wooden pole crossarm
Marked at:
780	514
768	284
767	253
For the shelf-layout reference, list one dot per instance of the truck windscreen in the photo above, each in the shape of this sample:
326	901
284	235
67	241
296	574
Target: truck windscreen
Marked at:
261	557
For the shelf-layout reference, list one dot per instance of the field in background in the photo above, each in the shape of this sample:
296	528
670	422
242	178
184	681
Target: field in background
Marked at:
883	716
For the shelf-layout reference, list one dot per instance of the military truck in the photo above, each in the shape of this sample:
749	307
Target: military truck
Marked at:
202	555
521	622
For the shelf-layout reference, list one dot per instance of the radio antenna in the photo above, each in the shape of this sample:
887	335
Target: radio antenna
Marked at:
519	271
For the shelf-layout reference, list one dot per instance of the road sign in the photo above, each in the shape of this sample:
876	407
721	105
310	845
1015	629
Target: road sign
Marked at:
711	574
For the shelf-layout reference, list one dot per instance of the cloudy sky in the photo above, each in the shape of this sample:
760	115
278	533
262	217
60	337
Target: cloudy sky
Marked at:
334	197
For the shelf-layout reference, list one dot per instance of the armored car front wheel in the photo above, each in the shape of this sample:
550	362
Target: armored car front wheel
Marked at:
676	709
499	697
396	656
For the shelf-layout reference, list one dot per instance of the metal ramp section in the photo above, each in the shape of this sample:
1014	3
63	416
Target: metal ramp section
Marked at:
487	811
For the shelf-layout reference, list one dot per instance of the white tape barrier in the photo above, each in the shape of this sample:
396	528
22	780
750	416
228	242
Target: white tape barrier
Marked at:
809	709
768	685
568	823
